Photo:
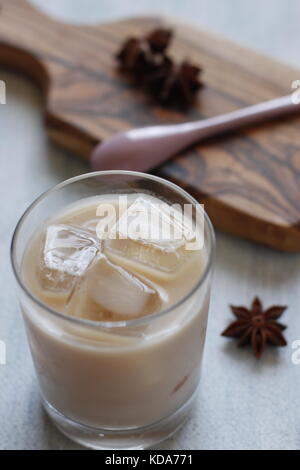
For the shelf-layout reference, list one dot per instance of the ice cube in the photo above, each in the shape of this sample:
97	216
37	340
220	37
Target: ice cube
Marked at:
151	234
67	252
110	292
91	224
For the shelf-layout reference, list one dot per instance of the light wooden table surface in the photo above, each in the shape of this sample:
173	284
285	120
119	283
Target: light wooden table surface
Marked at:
242	403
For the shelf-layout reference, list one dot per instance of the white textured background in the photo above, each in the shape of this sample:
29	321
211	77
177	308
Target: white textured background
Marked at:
242	404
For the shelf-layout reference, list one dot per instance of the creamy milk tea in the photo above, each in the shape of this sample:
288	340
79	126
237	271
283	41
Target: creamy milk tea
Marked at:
119	345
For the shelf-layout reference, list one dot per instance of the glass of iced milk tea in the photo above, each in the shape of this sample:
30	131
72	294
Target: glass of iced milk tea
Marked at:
114	272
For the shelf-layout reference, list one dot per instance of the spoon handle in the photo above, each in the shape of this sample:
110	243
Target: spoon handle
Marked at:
242	117
145	148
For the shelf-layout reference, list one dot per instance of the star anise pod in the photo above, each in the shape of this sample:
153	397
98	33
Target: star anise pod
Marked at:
174	84
139	56
135	56
146	61
159	39
257	326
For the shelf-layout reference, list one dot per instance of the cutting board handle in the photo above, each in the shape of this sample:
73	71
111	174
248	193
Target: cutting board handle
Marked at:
36	45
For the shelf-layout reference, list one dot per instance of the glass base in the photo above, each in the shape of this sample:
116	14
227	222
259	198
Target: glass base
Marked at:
137	438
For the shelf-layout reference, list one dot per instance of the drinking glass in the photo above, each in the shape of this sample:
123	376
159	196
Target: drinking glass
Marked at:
124	384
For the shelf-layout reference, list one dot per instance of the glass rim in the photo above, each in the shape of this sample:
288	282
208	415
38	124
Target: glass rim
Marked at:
110	324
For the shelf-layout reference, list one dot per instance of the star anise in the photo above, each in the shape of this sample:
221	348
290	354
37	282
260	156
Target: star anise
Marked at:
141	55
257	326
159	39
135	56
145	60
175	84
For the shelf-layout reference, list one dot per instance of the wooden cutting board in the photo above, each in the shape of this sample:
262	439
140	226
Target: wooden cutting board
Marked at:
249	181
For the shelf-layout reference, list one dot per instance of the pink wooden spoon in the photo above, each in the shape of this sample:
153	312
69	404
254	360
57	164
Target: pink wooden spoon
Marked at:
148	147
